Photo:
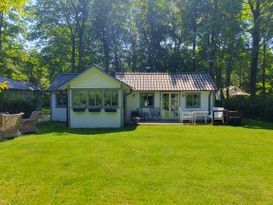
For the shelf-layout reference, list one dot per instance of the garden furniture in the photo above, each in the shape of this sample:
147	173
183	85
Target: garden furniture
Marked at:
155	113
30	125
185	116
234	118
200	114
9	125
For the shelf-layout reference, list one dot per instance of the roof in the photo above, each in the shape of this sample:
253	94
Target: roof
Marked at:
61	79
233	91
168	81
20	85
152	81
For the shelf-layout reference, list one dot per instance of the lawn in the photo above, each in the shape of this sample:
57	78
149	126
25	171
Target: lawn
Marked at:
139	165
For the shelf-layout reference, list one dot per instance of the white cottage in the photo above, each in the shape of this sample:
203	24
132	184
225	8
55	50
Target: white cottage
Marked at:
94	99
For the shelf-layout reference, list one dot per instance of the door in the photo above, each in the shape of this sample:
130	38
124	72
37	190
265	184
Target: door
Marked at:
169	105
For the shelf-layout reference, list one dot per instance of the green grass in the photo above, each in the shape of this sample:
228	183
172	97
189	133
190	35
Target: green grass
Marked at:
142	165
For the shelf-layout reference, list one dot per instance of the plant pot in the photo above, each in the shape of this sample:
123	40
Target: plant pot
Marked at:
94	109
78	109
110	109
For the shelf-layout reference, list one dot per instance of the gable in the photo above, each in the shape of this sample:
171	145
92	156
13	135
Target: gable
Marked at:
94	78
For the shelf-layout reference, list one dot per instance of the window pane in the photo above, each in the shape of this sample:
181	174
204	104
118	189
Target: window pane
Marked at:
114	99
111	98
147	100
95	98
79	98
61	99
193	100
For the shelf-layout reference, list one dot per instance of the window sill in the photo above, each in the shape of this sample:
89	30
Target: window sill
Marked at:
94	109
110	109
78	109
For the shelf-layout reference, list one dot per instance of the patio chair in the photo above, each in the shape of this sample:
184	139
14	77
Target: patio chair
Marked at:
30	125
185	116
155	113
9	125
143	113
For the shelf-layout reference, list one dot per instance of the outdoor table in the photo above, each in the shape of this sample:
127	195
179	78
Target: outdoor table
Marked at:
196	114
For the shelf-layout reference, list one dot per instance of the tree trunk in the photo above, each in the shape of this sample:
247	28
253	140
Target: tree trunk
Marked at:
80	47
1	37
264	66
106	50
73	53
255	48
1	26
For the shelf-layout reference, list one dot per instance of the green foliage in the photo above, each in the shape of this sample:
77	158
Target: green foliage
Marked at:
7	5
252	107
179	35
3	86
16	102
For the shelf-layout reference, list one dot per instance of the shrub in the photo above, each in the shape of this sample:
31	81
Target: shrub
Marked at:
258	107
16	102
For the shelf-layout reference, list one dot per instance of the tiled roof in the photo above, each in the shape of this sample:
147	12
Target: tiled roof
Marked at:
153	81
61	79
168	81
20	85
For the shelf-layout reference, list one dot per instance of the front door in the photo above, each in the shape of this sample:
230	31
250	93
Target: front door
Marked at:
169	106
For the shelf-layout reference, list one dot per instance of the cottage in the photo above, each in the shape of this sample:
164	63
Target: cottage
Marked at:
20	85
94	99
232	92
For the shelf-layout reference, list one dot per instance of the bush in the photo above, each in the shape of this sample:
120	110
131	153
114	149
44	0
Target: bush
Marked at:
16	102
258	107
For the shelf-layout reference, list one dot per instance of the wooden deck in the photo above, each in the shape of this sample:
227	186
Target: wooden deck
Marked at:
170	122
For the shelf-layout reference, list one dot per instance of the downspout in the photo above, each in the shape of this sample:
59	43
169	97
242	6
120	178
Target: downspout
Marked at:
124	104
67	107
209	107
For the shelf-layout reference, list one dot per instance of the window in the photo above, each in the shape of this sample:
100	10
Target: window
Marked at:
79	98
110	98
95	98
147	99
61	100
193	100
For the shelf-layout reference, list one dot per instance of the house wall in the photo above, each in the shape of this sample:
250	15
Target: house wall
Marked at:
95	79
57	113
133	101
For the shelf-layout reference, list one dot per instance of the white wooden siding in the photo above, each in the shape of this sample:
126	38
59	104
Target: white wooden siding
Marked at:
57	114
133	102
96	79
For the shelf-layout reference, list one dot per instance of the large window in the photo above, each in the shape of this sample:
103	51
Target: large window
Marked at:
61	100
110	98
95	97
193	100
79	98
147	100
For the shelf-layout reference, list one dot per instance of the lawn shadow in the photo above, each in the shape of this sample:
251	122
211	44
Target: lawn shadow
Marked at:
257	124
61	128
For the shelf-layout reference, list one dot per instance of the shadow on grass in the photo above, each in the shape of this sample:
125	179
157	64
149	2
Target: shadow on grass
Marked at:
257	124
60	128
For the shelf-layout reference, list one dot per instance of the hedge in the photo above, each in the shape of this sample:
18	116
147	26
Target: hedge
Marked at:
258	107
16	102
